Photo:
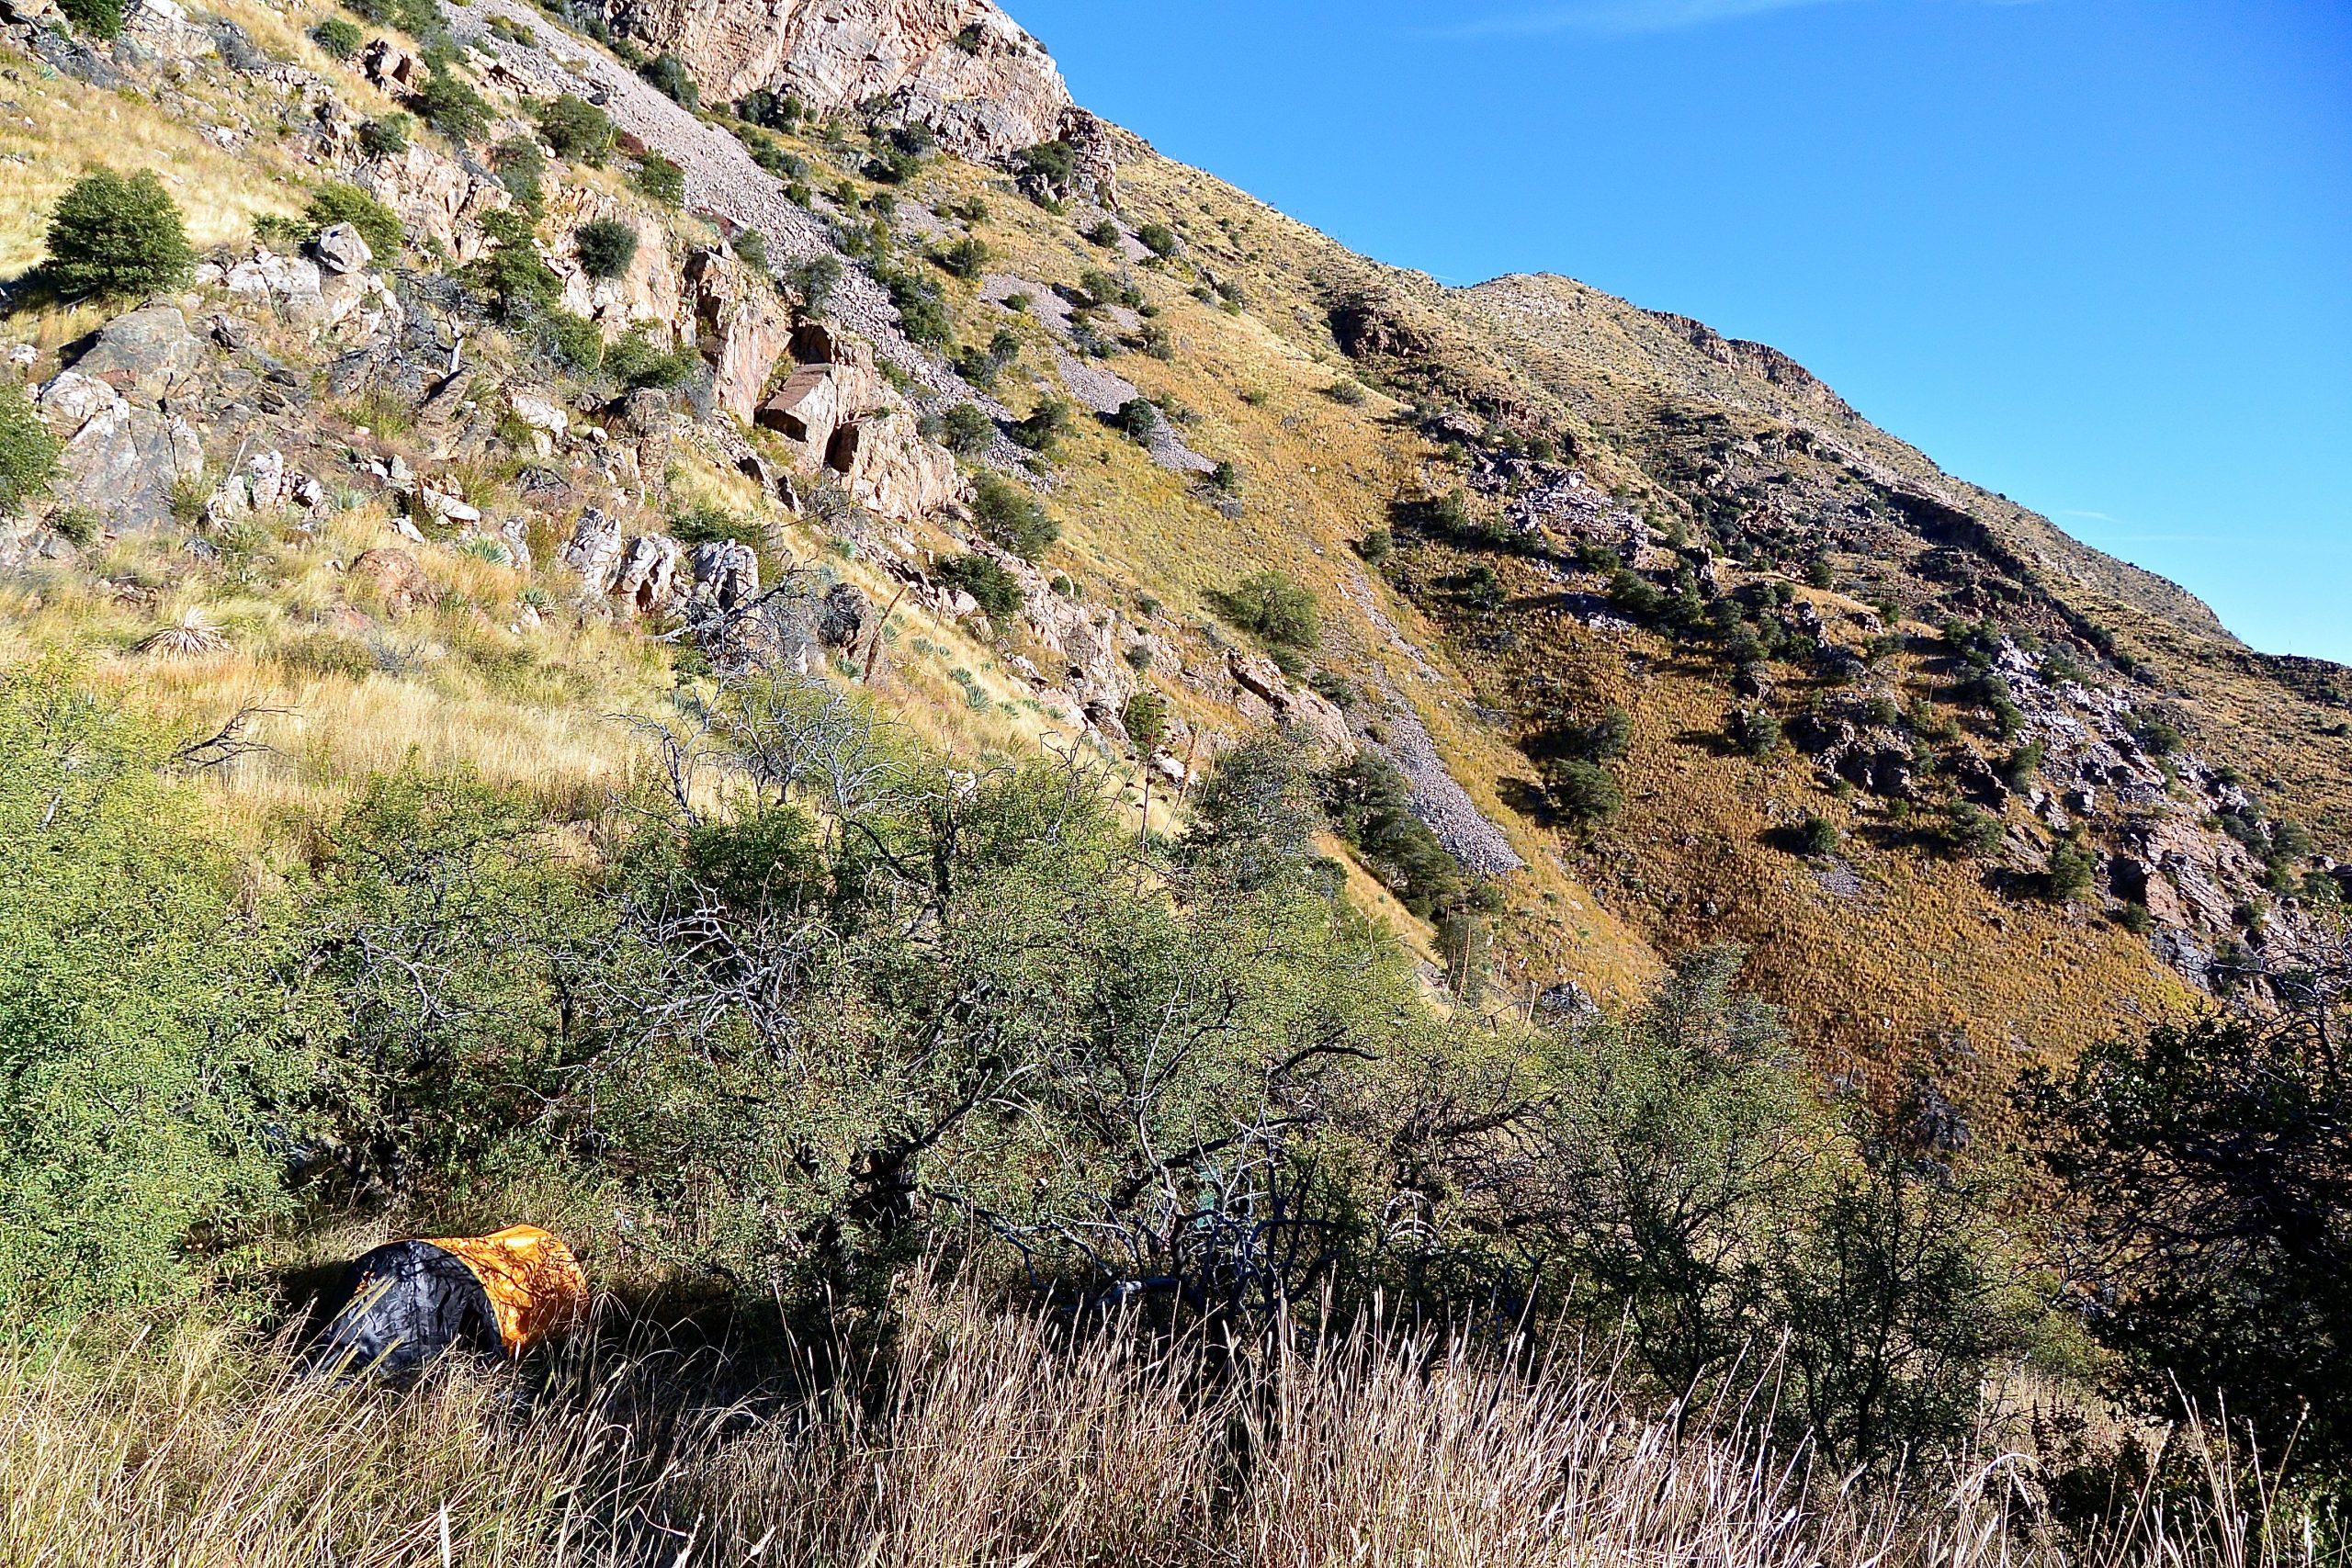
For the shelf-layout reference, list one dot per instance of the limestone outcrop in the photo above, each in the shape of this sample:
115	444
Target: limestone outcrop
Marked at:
962	67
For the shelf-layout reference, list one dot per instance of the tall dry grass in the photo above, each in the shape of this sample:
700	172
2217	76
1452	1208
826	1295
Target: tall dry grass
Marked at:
988	1438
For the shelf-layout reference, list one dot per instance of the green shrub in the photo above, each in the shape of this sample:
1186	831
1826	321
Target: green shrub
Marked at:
1146	718
996	591
450	104
967	432
1273	608
418	18
339	36
1818	837
669	73
1010	518
2070	873
659	179
1370	805
99	19
134	1008
921	311
1582	792
1346	394
1377	546
1972	830
814	280
522	169
751	250
607	247
1754	731
576	341
1105	233
967	258
1159	239
1138	419
386	137
28	452
636	360
1226	479
577	130
1043	430
114	237
518	283
337	202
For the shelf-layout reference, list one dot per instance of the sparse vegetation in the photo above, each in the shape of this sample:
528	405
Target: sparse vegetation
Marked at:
659	179
28	453
1010	518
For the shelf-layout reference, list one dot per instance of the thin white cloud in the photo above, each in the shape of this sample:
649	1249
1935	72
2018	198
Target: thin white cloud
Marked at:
1623	16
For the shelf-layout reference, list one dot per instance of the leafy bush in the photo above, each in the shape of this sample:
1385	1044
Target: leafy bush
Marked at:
1138	419
1818	837
577	130
133	1005
1580	792
1370	804
921	311
386	136
996	591
1970	829
1754	731
522	168
2071	872
518	283
967	433
1010	518
99	19
418	18
116	237
339	36
607	246
1274	608
1046	425
1159	239
28	452
1048	170
450	104
669	73
338	202
659	179
968	257
815	279
751	250
638	360
1105	233
1146	720
575	340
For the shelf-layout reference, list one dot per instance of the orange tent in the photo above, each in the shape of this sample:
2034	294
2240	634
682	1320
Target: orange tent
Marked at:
409	1300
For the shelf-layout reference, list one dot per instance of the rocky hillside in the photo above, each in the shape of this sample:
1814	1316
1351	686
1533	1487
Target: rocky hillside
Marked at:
540	365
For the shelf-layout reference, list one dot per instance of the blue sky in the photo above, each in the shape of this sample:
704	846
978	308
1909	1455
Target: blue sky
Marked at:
2096	254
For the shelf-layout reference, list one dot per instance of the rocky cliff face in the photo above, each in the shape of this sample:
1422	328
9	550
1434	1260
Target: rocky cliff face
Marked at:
962	67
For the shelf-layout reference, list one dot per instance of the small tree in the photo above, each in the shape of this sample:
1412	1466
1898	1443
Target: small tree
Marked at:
1137	418
1970	829
607	246
1159	239
1274	608
2071	872
1046	425
28	452
1011	519
339	36
995	590
815	279
967	433
99	19
669	73
114	237
1106	234
1818	837
658	178
575	129
1146	717
337	202
451	106
1582	793
385	137
1755	731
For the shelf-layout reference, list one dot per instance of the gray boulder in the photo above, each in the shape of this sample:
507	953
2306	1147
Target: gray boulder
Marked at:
340	249
144	354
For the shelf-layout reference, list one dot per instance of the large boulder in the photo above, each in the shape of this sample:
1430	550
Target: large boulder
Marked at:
890	469
962	67
740	326
122	458
394	578
143	355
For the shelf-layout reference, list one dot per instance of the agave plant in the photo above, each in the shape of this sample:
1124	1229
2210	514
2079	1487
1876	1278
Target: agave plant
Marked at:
193	637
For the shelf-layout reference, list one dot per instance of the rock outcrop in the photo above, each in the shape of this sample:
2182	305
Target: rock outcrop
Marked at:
962	67
125	449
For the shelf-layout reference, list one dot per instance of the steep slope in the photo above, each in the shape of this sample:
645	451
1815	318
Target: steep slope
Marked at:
1972	793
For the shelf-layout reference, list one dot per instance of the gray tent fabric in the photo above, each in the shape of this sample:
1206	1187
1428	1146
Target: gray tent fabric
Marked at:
406	1302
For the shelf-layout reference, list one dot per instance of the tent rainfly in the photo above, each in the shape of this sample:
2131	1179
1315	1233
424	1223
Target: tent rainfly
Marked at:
409	1300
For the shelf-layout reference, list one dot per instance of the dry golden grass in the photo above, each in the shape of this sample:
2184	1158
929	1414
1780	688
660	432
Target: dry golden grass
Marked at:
983	1436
